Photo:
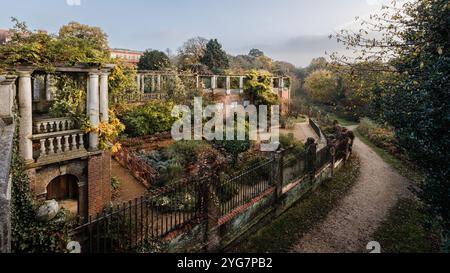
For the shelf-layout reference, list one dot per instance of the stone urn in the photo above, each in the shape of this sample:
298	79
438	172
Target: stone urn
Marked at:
47	211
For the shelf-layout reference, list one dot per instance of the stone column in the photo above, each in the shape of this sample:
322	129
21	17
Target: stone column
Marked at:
93	108
138	81
158	83
281	82
36	88
104	108
142	83
197	81
48	90
153	83
228	85
26	116
213	82
271	82
241	84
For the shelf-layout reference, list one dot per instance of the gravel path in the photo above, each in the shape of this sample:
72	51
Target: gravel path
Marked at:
301	131
349	227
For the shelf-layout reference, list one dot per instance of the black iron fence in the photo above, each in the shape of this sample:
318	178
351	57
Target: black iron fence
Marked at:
244	186
183	205
131	224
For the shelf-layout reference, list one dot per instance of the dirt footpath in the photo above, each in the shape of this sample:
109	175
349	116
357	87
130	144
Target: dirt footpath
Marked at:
349	227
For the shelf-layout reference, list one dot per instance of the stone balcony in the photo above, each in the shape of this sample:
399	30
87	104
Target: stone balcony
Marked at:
55	140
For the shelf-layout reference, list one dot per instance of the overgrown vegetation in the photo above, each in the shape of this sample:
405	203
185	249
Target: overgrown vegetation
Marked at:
381	136
69	99
28	234
151	118
383	141
408	228
292	145
115	186
75	43
257	89
121	81
280	235
408	170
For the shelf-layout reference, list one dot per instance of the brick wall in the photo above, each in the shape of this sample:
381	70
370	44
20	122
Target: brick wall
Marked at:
99	182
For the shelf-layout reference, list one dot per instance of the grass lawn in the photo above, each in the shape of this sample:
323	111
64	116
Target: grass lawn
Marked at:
343	122
283	232
402	167
408	229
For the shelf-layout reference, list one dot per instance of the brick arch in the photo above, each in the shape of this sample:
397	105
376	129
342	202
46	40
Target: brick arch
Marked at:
63	187
49	173
55	175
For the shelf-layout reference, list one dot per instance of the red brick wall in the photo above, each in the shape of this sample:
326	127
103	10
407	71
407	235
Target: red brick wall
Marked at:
99	182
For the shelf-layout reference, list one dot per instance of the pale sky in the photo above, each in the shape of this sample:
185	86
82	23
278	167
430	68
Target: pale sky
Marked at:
290	30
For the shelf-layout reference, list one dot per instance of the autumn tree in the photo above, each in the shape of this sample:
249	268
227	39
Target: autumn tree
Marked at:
83	43
321	86
190	55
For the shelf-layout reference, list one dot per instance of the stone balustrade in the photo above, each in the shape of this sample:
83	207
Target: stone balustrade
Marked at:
58	143
52	125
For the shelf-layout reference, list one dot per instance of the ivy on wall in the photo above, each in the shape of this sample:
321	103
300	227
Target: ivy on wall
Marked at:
29	235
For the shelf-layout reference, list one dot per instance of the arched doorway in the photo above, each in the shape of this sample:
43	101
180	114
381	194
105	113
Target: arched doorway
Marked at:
64	189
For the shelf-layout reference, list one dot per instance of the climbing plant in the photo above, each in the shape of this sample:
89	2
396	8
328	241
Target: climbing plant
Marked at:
122	81
75	43
28	234
68	99
257	88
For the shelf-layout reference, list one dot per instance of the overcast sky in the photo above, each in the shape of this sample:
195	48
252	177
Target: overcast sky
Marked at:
290	30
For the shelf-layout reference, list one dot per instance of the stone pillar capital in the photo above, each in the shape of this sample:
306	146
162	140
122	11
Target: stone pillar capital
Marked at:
94	74
25	74
105	74
8	80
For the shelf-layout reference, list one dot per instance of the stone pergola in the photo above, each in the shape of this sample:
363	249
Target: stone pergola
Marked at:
56	147
96	107
228	88
157	78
